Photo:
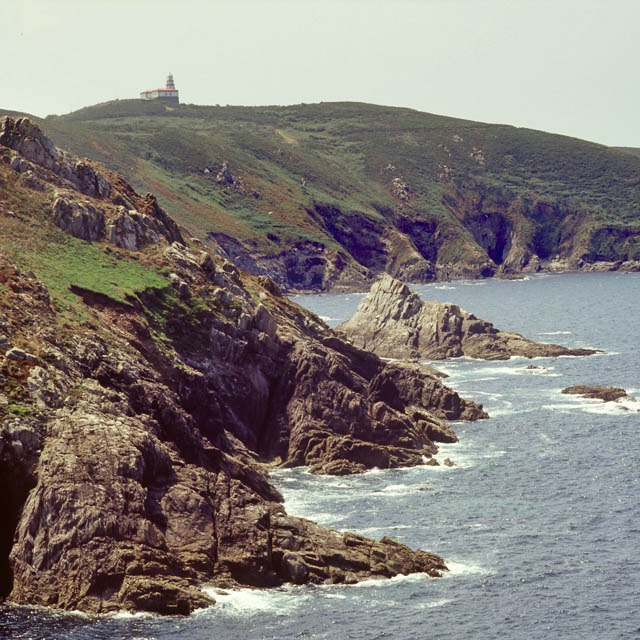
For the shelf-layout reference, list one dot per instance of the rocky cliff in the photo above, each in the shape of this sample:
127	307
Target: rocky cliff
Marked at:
393	322
329	196
145	391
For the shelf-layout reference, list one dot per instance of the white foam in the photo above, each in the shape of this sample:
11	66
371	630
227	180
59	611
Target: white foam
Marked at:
388	582
463	455
436	603
243	601
445	288
538	371
382	531
395	489
464	569
613	408
627	406
129	615
375	471
84	614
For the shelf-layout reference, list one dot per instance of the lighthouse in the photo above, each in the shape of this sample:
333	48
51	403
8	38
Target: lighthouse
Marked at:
168	94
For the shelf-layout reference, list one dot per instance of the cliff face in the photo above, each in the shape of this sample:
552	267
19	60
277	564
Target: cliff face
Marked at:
393	322
139	405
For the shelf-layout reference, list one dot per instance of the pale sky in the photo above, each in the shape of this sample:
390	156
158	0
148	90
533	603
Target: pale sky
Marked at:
565	66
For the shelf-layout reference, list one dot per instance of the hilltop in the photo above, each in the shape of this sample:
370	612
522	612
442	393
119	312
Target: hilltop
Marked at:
325	196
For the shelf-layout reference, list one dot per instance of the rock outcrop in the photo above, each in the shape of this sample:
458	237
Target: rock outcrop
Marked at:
393	322
606	394
35	148
137	433
148	484
116	213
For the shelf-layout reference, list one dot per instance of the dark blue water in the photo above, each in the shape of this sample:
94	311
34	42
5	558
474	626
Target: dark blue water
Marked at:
539	521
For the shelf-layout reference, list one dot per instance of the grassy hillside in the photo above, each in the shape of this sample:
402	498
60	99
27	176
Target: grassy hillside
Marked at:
377	187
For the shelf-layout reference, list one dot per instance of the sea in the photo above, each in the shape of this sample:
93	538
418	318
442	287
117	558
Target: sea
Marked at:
538	521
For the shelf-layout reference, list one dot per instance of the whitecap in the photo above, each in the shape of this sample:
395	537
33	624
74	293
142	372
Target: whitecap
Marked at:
465	569
375	471
395	489
614	408
436	603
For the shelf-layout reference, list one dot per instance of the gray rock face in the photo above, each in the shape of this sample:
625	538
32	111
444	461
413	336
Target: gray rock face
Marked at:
79	219
393	322
131	230
43	166
19	354
27	138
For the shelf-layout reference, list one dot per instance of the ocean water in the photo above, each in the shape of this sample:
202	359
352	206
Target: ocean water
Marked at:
539	521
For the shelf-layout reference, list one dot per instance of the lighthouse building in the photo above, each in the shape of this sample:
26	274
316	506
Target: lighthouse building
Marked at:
168	94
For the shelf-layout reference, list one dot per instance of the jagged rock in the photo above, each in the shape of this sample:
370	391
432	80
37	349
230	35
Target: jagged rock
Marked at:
42	389
27	138
31	181
405	385
337	468
393	322
448	462
165	225
180	285
19	354
206	262
606	394
79	219
130	230
146	491
264	321
268	284
20	442
224	176
19	164
144	483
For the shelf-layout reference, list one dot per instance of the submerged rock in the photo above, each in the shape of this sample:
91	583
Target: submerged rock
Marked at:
393	322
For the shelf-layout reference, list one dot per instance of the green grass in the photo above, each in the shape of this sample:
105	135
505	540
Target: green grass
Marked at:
59	260
342	151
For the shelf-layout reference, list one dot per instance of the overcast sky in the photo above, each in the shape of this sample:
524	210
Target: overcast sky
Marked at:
565	66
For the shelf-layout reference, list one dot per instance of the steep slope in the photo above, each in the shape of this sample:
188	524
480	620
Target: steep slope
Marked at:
326	196
145	383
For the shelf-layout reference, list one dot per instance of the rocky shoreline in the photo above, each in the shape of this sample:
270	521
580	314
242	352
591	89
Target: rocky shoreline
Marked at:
136	432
